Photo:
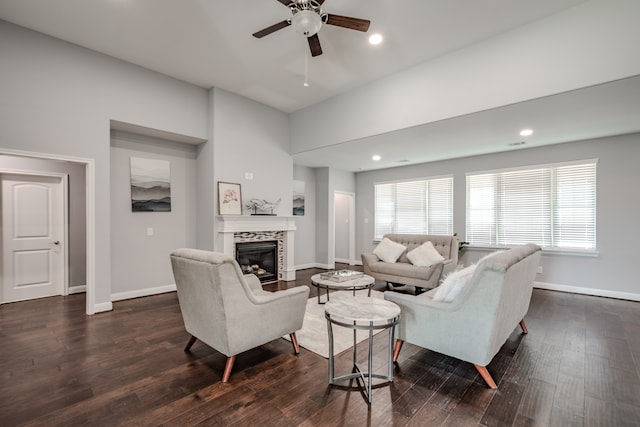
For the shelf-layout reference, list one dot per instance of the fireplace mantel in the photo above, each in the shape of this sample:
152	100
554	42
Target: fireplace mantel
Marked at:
233	224
229	225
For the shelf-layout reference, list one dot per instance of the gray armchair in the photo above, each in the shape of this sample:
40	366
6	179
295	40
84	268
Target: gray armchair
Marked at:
473	326
230	311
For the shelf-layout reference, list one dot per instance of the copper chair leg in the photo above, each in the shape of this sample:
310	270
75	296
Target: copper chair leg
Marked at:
227	368
486	376
524	327
294	341
190	343
396	349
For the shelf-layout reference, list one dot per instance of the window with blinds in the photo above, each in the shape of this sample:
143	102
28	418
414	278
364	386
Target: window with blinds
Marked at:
553	206
415	207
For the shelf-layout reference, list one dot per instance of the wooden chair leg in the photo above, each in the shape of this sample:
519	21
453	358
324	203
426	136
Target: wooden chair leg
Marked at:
524	327
294	341
227	368
396	349
486	376
190	343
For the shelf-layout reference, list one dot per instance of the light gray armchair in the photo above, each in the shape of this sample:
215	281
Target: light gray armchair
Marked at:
230	311
477	322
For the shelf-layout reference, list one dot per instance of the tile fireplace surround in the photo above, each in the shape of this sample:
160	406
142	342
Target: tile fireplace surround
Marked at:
232	229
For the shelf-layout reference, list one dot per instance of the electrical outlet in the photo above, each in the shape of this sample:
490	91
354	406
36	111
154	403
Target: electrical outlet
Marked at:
150	231
539	269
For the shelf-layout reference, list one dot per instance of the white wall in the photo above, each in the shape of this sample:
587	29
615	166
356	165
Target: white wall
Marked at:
77	208
589	44
140	263
58	98
612	273
305	235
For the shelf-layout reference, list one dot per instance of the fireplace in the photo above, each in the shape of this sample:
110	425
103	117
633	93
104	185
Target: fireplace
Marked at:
249	228
259	258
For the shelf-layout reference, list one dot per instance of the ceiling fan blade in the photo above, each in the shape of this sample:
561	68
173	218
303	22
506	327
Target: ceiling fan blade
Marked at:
314	45
273	28
348	22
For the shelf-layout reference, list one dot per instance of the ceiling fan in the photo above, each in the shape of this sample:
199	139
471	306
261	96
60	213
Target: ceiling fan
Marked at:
307	20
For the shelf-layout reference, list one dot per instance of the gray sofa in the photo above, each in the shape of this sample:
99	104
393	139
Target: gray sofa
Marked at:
403	272
493	299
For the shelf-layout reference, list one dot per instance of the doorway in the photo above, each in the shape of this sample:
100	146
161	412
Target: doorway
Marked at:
344	227
79	223
34	237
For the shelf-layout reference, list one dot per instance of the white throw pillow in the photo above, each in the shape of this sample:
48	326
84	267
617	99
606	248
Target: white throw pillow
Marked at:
388	250
425	255
453	284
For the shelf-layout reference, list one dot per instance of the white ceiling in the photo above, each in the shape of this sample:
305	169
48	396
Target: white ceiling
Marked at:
209	43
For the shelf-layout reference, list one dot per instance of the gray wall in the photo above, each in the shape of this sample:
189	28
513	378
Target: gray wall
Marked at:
140	263
611	273
328	181
250	137
599	36
324	216
58	99
77	207
305	235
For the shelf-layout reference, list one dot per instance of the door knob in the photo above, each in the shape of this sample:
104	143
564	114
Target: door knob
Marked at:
57	242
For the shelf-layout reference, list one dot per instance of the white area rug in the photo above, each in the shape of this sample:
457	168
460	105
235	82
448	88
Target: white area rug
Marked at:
314	337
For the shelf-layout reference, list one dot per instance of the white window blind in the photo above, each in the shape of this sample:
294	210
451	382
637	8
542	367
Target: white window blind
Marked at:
421	207
552	205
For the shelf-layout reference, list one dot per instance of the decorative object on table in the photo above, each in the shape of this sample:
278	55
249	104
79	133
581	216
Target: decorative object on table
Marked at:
229	198
262	207
298	198
150	185
341	275
353	283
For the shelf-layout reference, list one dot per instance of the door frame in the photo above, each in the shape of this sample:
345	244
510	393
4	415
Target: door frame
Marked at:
64	183
90	191
352	229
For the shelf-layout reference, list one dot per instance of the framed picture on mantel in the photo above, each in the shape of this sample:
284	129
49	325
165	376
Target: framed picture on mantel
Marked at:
229	198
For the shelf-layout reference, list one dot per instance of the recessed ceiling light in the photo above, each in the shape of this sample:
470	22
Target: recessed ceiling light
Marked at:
375	158
526	132
375	39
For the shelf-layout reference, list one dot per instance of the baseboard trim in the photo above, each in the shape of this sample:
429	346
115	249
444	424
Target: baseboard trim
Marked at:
77	289
314	265
142	292
102	307
587	291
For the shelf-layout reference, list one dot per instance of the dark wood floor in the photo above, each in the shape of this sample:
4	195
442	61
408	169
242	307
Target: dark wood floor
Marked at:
578	366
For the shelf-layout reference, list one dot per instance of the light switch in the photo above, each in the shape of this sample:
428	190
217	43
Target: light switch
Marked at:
149	231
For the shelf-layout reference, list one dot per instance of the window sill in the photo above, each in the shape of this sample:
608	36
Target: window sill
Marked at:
547	251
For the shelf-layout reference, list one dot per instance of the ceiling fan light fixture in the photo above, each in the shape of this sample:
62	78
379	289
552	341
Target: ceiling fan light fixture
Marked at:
306	22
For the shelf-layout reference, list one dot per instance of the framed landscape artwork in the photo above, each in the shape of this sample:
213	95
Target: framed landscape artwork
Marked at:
150	185
298	197
229	198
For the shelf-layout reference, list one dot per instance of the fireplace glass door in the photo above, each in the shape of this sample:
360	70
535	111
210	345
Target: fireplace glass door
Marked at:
259	258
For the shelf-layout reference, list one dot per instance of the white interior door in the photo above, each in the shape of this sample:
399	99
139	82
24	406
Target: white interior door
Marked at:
32	237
